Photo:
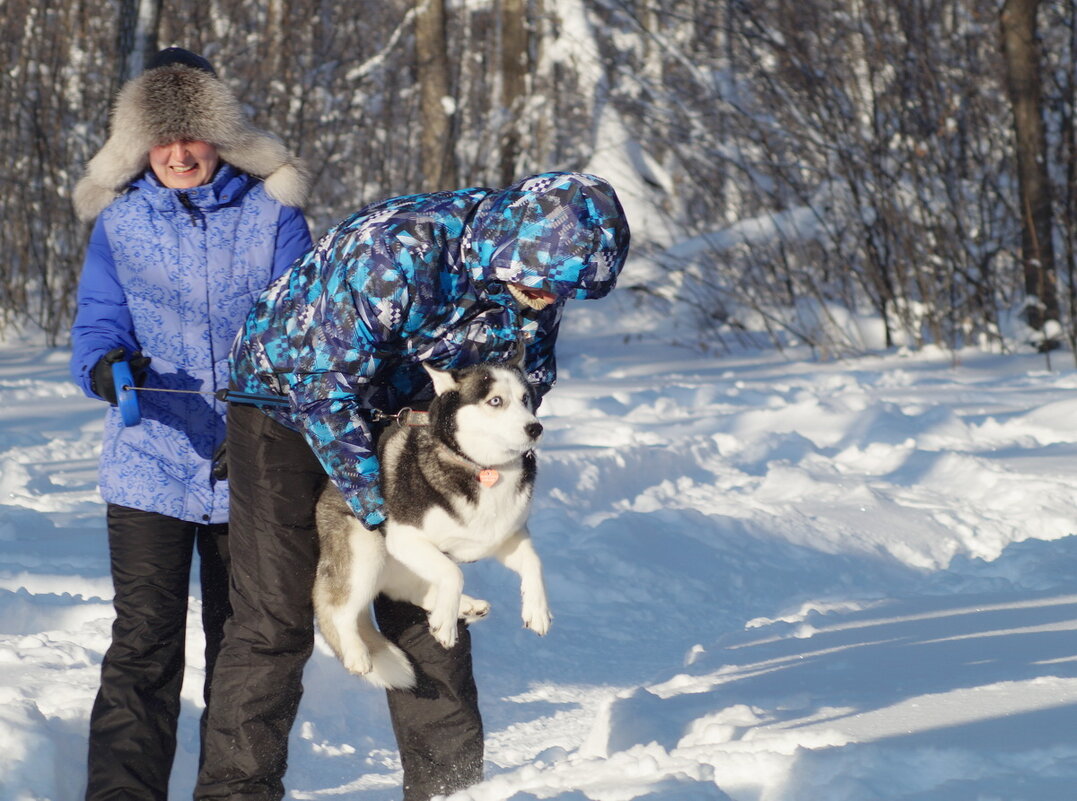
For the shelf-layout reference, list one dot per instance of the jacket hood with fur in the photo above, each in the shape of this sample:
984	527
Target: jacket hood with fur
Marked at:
178	102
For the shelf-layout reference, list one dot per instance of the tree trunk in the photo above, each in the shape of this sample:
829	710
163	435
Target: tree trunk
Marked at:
514	67
542	86
436	104
136	36
1022	62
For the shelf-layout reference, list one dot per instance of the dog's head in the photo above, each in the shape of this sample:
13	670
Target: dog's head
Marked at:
486	412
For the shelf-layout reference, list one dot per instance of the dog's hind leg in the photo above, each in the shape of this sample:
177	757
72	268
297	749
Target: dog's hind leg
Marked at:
366	563
346	583
518	554
337	621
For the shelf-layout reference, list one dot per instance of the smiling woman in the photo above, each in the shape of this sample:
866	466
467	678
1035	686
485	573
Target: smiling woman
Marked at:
184	165
195	210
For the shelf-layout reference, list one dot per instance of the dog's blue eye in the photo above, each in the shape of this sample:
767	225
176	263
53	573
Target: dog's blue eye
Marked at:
495	401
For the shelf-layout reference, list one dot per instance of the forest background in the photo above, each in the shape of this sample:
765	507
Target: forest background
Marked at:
795	165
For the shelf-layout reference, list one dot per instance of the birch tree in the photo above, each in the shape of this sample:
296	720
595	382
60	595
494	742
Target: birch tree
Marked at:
137	25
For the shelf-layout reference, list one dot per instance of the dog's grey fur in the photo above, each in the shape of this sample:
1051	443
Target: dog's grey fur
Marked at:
438	515
178	102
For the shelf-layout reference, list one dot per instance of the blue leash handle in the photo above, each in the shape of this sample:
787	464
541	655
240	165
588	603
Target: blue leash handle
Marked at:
126	398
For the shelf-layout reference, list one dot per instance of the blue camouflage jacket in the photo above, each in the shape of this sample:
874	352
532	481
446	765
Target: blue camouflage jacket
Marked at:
422	278
173	274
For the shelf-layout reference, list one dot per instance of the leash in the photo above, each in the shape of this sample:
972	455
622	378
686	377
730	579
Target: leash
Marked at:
223	395
131	413
127	400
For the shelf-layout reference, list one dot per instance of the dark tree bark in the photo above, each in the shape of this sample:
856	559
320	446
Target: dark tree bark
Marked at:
1022	60
514	69
435	93
136	36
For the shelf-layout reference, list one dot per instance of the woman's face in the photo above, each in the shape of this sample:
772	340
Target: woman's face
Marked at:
184	165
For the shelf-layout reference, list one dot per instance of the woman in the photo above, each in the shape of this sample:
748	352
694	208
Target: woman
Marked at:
196	213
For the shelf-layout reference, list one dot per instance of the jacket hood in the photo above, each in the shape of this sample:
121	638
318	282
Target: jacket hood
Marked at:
175	102
561	231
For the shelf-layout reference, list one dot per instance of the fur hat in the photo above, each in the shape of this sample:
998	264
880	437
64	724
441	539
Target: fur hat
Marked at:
180	97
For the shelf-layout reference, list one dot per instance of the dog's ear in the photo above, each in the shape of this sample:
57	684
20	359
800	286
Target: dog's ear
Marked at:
443	379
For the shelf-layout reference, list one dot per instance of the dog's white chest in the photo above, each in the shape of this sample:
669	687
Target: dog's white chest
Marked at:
476	530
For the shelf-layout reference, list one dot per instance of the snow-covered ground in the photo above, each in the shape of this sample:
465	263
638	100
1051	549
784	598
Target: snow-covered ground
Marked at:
773	579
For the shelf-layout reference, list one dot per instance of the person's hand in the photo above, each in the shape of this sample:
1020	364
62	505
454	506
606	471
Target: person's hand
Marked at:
139	365
101	376
219	465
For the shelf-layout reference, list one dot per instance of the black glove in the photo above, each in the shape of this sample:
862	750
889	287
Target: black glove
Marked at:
139	367
219	466
101	376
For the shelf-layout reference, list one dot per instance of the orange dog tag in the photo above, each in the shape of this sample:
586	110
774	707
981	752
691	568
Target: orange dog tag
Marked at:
488	477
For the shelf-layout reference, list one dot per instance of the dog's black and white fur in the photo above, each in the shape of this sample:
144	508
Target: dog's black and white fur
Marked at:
457	489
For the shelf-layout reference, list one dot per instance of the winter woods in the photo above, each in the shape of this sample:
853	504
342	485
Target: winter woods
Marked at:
795	166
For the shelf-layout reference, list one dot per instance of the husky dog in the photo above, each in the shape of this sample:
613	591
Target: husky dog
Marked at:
457	488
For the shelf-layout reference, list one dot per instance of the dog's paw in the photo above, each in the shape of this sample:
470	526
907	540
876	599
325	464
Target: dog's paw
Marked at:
443	627
472	609
358	662
537	617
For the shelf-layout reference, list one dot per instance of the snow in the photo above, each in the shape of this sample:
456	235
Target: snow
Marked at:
773	579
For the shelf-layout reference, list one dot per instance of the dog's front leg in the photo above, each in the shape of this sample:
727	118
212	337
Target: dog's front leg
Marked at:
518	554
408	546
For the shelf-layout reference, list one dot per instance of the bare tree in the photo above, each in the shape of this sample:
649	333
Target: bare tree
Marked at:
436	102
818	162
138	21
55	81
1023	79
514	71
1059	28
839	161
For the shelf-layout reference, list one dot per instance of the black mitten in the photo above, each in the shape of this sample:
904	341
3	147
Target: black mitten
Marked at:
219	466
139	366
101	376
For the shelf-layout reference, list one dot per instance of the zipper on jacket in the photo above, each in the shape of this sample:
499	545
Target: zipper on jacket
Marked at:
192	209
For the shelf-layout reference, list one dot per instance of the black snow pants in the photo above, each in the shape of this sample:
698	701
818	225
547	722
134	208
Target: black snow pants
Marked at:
133	721
274	480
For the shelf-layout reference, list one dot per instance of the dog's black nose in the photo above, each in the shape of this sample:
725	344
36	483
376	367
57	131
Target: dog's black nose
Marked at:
533	430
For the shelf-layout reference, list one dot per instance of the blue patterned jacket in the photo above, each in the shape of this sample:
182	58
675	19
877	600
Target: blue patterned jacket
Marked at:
176	282
415	279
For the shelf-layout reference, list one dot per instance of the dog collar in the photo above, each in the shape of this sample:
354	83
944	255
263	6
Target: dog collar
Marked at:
487	476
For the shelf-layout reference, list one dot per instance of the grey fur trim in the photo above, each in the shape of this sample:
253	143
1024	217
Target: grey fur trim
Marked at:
178	102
